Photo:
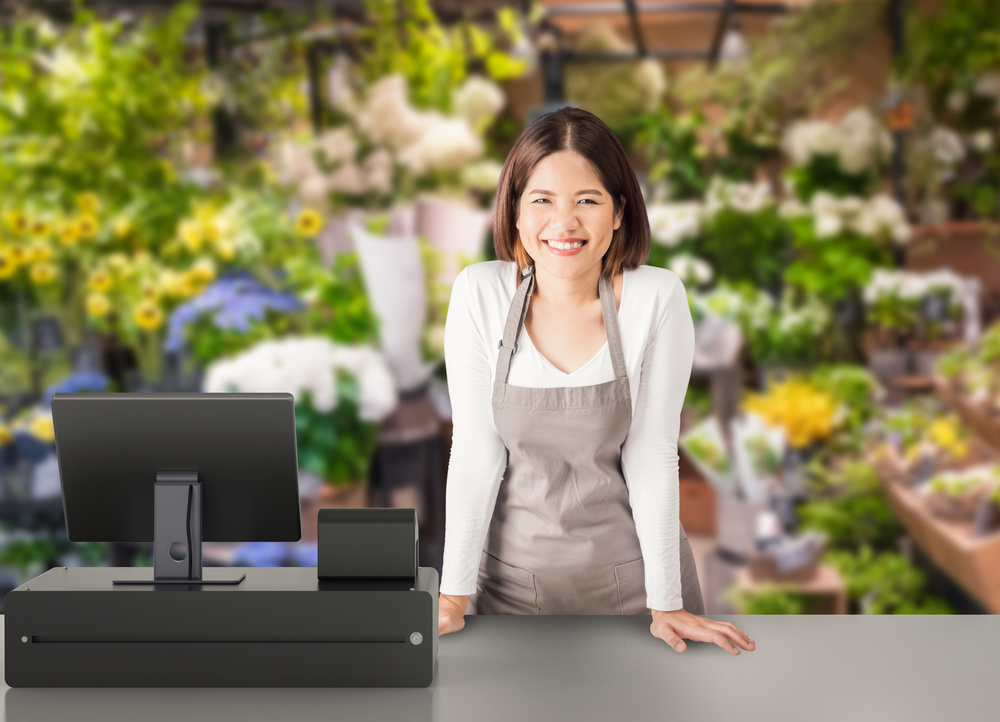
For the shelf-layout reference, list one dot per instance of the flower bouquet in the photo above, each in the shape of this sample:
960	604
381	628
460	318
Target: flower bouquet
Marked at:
955	495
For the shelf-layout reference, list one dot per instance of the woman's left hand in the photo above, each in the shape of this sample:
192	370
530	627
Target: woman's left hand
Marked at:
671	626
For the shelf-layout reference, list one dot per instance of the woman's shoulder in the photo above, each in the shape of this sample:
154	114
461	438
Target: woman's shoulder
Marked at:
487	275
653	281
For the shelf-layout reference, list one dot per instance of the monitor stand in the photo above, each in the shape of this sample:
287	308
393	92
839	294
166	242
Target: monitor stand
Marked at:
177	532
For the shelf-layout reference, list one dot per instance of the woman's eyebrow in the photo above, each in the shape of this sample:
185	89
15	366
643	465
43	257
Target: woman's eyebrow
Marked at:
591	191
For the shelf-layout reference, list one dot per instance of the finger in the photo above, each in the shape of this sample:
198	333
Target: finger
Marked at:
668	635
747	643
723	641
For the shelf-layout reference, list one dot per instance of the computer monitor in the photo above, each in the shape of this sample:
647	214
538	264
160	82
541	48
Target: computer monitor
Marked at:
177	469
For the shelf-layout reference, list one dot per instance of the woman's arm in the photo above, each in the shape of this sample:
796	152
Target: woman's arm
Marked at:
478	454
649	454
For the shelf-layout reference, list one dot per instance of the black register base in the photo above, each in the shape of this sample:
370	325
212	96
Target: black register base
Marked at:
281	627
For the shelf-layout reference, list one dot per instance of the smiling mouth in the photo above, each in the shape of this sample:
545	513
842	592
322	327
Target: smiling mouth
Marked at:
564	245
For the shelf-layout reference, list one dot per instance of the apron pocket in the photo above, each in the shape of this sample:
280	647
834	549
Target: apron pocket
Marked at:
512	585
631	580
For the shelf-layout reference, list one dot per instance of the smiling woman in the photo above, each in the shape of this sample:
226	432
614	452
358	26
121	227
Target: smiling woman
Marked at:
562	493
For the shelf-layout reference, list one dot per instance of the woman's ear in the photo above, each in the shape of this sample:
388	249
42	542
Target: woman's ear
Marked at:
620	214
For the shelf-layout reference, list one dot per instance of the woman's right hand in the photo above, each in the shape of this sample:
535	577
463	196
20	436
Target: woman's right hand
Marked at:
451	613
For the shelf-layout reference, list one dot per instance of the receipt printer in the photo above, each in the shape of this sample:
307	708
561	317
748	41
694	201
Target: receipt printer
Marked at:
367	544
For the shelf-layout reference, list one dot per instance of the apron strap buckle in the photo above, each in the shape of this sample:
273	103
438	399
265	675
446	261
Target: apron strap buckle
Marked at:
513	348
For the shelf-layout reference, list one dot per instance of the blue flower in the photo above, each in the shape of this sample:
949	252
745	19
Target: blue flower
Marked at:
305	554
74	383
261	554
232	303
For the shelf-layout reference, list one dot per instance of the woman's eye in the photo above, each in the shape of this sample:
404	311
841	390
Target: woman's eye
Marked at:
589	200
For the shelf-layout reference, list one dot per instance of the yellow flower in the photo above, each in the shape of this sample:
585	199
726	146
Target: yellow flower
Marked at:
43	273
69	234
40	228
17	221
39	252
5	436
309	222
190	285
8	264
98	305
171	284
148	316
226	250
86	226
122	227
41	427
100	281
88	202
203	270
20	254
119	263
150	292
190	234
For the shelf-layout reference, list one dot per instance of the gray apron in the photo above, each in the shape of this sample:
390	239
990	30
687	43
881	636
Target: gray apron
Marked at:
562	539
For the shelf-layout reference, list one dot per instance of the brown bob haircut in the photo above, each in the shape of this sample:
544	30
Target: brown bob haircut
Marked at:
583	132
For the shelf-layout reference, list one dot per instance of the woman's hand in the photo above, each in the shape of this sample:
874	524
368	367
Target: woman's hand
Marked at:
451	613
671	626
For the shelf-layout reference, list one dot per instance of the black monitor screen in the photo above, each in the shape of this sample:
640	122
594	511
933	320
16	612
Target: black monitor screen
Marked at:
111	447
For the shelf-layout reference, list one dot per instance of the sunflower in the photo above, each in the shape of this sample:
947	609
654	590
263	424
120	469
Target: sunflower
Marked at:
148	316
43	273
87	203
309	223
98	305
100	281
122	227
69	234
150	292
40	228
17	221
190	233
42	428
39	252
86	226
8	265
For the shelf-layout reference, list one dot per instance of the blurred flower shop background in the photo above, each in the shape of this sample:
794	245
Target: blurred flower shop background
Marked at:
264	196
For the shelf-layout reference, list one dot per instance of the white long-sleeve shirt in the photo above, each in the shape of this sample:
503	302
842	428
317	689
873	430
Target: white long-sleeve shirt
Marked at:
657	335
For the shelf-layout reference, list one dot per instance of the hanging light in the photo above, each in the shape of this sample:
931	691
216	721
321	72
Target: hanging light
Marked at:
734	49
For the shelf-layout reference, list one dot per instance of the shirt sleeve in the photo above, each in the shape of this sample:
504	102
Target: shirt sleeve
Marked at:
649	454
478	454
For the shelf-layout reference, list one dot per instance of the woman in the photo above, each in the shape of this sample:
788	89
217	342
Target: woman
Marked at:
562	493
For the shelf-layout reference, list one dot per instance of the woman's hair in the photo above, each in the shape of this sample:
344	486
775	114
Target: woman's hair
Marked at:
583	132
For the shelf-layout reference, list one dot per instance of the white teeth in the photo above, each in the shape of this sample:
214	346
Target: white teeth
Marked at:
564	246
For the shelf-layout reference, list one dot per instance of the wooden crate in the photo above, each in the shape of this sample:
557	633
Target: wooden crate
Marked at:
826	584
974	563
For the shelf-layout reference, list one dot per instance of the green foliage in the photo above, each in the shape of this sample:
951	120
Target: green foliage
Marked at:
337	445
848	506
852	386
746	246
673	151
406	37
887	582
767	598
337	302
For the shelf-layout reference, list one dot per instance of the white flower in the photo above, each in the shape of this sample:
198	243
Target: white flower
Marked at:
956	101
982	141
338	145
690	269
313	190
827	225
308	366
671	223
378	171
478	100
743	197
347	179
482	175
947	146
445	143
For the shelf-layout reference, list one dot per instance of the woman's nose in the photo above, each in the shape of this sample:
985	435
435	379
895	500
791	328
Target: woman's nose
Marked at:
565	217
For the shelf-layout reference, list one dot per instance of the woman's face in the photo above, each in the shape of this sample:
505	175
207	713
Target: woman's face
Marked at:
565	202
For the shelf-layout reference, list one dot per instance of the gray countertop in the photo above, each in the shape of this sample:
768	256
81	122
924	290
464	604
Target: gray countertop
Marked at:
805	668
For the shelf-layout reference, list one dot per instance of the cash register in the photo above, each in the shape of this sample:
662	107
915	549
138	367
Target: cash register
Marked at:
177	469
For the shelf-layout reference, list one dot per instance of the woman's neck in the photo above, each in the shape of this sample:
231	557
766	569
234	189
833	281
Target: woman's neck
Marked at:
566	295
